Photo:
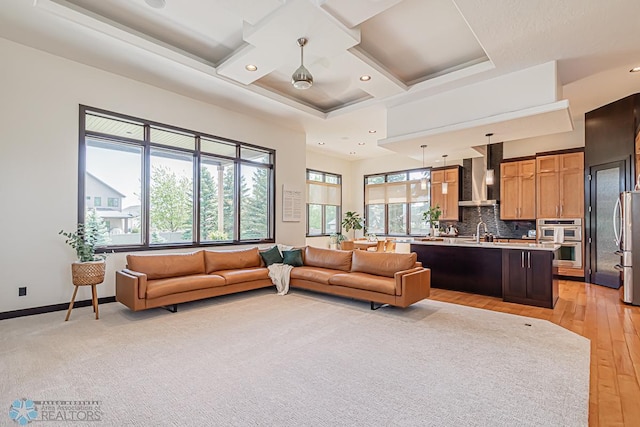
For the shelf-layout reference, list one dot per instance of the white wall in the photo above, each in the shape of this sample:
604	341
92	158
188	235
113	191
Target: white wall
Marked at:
39	162
319	161
558	141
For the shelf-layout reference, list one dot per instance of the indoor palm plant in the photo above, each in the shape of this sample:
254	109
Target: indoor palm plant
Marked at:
432	216
351	221
90	268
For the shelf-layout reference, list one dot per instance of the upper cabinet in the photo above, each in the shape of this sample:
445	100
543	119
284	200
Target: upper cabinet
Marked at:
560	186
518	190
448	202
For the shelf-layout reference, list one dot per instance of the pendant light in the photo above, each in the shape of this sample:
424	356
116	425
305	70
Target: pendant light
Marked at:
445	184
490	176
423	181
302	78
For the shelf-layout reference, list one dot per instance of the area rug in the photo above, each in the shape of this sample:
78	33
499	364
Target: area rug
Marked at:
302	359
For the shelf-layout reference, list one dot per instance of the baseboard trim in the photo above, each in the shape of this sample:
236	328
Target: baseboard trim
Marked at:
51	308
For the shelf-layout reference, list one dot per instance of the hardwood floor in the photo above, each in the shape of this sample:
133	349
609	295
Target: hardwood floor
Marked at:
613	327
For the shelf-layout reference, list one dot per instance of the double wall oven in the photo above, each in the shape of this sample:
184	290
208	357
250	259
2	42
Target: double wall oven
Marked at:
566	232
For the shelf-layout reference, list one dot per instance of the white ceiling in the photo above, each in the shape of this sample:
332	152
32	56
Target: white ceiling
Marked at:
412	49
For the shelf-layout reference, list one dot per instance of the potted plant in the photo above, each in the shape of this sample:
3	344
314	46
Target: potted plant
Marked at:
90	268
335	239
351	221
432	216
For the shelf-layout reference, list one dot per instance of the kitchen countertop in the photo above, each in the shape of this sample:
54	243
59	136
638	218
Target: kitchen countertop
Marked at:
453	241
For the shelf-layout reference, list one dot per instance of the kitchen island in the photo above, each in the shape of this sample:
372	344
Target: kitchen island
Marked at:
524	273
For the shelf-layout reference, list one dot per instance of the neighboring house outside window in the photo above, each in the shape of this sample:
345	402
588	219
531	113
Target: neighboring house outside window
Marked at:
168	187
395	201
324	203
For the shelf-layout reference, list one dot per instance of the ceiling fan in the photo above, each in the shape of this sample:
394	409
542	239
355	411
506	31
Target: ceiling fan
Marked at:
302	78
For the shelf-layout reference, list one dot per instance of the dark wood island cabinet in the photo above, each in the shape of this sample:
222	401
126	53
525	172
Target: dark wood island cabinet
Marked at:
517	272
529	277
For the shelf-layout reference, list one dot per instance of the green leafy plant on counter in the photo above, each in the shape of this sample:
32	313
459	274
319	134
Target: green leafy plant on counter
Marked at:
432	216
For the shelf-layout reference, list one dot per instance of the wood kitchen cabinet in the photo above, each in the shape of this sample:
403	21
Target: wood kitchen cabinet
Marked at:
560	186
448	202
529	277
518	190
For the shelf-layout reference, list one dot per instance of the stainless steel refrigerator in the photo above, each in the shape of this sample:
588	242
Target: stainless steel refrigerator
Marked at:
626	214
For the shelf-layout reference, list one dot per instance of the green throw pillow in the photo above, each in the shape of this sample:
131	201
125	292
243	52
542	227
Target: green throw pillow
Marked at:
271	256
293	257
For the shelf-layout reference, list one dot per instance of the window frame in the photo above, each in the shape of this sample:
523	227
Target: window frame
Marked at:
323	212
408	216
146	146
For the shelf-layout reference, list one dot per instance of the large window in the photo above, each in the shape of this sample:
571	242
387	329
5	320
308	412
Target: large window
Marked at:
168	187
394	202
324	200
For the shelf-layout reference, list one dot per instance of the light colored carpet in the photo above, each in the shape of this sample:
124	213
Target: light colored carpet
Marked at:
303	359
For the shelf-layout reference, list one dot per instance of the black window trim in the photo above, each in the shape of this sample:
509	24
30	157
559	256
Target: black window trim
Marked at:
146	144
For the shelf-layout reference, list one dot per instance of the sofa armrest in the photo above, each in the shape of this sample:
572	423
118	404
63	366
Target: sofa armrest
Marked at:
131	288
410	280
400	274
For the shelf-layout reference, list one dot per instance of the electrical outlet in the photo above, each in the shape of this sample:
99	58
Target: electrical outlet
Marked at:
22	291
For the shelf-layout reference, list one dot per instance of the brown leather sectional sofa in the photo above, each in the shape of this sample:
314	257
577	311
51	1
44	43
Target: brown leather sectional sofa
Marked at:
169	279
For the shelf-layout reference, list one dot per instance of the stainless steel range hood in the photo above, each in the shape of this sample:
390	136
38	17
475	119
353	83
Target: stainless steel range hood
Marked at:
478	182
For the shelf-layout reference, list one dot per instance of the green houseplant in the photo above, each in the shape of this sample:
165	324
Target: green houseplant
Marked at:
90	268
432	216
352	221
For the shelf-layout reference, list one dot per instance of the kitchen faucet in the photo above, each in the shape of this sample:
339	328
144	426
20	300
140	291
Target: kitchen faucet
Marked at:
478	230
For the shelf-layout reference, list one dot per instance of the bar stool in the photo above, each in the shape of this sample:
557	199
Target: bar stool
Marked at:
390	246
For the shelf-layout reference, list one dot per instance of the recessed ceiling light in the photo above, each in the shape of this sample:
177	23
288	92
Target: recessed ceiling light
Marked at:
373	131
321	143
157	4
360	143
634	70
251	67
365	78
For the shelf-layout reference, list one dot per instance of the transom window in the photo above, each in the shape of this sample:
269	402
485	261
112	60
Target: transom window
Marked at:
170	187
324	203
395	201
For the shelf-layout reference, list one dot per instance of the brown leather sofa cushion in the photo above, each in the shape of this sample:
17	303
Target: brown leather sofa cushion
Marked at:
244	275
368	282
314	274
175	285
327	258
167	265
382	264
229	260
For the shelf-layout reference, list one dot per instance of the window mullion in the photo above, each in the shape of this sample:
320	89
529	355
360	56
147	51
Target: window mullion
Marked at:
236	197
146	188
195	225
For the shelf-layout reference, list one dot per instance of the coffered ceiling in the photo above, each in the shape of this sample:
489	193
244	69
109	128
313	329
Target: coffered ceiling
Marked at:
398	44
411	49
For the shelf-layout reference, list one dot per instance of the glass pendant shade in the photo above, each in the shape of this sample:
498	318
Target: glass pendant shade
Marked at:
445	187
490	177
423	184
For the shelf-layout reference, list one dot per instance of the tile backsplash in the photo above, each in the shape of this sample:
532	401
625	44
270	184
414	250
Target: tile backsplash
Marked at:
490	215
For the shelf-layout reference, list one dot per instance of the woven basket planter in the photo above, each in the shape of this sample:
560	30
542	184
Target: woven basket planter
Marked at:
87	273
